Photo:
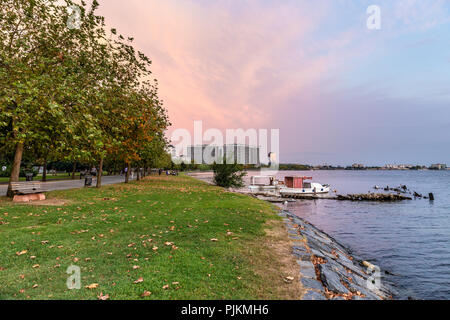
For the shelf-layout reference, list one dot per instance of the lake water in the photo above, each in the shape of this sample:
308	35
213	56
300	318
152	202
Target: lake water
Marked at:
410	239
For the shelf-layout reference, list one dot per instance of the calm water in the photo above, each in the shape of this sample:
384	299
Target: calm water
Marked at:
410	239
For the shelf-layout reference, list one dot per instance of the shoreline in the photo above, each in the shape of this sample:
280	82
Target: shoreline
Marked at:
327	269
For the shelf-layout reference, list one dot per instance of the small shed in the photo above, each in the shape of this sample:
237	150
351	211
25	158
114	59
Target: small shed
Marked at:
295	182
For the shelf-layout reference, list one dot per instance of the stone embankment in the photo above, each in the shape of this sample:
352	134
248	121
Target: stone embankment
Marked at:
327	269
373	197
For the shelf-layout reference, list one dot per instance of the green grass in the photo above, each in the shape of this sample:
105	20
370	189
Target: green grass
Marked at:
106	232
50	177
59	176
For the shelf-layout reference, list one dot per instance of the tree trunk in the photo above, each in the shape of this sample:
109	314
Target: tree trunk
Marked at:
44	172
99	173
15	171
74	169
145	172
127	174
138	174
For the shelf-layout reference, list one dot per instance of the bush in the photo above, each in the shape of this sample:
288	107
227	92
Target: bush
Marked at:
228	175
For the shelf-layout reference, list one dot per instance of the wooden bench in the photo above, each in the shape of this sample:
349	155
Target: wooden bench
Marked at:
27	191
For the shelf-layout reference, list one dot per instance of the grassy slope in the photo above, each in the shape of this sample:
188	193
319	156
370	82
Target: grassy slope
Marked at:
106	232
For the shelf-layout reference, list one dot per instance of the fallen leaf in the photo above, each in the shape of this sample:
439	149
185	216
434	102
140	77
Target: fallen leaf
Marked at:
166	287
35	286
214	240
92	286
103	297
146	294
21	252
139	280
135	267
289	279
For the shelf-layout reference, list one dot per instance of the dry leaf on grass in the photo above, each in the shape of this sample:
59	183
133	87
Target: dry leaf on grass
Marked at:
92	286
288	279
103	297
139	280
146	294
19	253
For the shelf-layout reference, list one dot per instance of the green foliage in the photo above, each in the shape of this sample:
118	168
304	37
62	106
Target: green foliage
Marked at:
81	95
228	175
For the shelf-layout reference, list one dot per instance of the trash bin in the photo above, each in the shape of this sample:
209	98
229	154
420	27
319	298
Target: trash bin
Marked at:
29	176
88	181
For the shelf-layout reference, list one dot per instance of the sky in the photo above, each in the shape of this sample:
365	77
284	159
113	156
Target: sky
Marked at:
338	92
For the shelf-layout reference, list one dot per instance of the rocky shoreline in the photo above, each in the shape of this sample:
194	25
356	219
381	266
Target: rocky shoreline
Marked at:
328	271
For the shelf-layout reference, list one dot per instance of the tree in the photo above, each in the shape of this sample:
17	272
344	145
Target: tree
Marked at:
228	175
78	94
41	74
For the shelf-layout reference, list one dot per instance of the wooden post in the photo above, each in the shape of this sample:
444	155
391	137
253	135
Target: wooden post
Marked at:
431	196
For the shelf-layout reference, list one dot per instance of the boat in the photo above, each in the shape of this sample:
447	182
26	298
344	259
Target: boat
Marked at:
265	185
302	186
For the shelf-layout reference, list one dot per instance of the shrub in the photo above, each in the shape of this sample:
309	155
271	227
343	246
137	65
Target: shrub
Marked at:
228	175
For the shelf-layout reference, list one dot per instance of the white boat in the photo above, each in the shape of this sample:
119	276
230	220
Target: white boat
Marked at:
301	186
265	185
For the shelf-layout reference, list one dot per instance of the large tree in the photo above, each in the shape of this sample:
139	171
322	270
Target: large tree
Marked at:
84	93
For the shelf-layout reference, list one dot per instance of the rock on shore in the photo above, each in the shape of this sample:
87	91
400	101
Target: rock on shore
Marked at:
327	269
374	197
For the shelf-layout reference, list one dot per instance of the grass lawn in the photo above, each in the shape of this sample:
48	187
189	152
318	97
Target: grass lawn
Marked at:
175	237
59	176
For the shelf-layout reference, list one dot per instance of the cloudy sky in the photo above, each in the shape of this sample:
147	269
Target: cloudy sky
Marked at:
339	92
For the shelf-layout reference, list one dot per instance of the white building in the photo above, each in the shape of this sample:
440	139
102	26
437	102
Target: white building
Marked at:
237	153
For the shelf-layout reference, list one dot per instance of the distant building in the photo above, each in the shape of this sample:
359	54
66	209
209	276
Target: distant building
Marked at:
438	166
237	153
398	167
358	166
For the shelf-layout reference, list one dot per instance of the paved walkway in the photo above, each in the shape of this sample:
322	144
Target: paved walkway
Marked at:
70	184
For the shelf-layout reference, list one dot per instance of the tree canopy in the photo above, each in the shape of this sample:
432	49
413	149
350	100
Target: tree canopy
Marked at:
70	89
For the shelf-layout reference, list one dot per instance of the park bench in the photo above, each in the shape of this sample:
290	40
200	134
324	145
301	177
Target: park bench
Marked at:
27	191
